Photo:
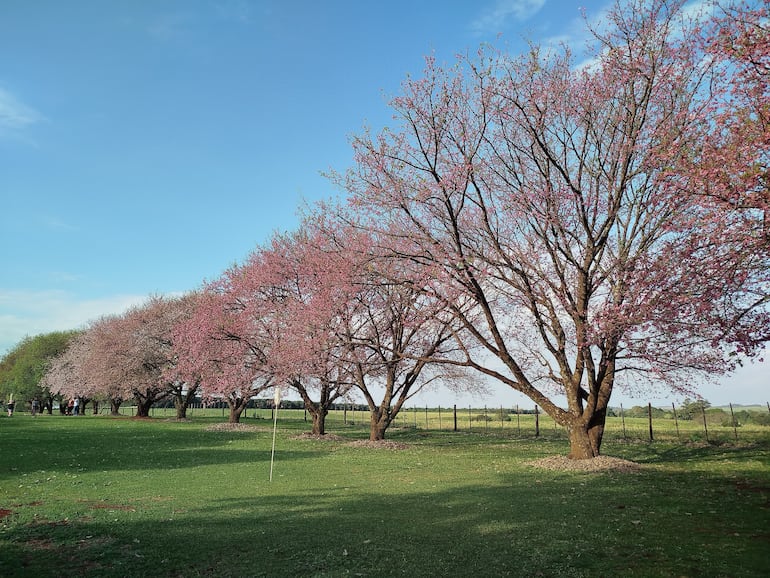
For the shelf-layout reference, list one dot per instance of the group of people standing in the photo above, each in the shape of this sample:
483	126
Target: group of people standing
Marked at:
71	408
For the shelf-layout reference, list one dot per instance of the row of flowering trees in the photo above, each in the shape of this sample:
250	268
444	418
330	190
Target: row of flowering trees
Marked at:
313	311
556	227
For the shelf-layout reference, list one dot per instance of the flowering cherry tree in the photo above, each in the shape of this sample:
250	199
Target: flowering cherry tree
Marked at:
305	290
155	323
395	334
276	318
548	202
78	371
215	351
353	317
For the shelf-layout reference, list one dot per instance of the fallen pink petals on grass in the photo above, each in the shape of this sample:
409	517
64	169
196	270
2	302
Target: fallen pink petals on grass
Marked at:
233	427
379	444
598	464
318	437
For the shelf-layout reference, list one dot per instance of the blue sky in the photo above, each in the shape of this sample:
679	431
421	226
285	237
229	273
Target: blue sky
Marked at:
145	146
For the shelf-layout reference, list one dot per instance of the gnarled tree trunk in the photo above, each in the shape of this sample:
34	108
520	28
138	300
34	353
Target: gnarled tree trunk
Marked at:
585	423
319	420
379	421
237	407
329	393
143	407
183	400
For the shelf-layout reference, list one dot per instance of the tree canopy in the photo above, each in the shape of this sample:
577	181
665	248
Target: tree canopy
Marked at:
560	201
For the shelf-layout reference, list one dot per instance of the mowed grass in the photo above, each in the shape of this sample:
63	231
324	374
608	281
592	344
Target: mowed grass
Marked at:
100	496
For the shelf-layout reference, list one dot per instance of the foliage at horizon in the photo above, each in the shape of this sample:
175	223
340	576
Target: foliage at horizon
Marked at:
23	367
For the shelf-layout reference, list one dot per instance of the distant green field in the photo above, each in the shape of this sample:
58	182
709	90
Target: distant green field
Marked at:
502	420
100	496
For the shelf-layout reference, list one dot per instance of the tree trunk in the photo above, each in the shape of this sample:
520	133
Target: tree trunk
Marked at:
585	440
318	411
319	422
236	410
237	406
96	407
115	406
580	446
379	421
596	429
182	399
143	407
181	406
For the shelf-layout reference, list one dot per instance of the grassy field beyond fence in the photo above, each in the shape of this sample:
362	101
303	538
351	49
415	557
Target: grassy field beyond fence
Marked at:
719	427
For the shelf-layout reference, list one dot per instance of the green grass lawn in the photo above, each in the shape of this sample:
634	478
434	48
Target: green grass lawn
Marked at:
99	496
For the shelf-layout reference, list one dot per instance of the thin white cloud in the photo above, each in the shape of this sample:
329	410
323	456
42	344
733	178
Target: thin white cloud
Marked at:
57	224
494	18
14	114
24	313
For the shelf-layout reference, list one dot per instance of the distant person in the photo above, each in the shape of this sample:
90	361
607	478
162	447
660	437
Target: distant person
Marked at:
35	407
11	405
76	406
70	406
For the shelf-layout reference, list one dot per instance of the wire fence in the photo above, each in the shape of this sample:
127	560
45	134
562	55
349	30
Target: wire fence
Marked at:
712	425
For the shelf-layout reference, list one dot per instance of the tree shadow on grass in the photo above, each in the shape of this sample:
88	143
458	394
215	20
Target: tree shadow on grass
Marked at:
521	522
531	523
682	454
123	445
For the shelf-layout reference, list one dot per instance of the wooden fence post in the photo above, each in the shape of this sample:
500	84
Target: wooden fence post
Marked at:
623	421
735	424
518	418
676	420
439	417
537	423
705	427
649	415
455	414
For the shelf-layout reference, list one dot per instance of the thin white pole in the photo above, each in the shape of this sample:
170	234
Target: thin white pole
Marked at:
277	400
